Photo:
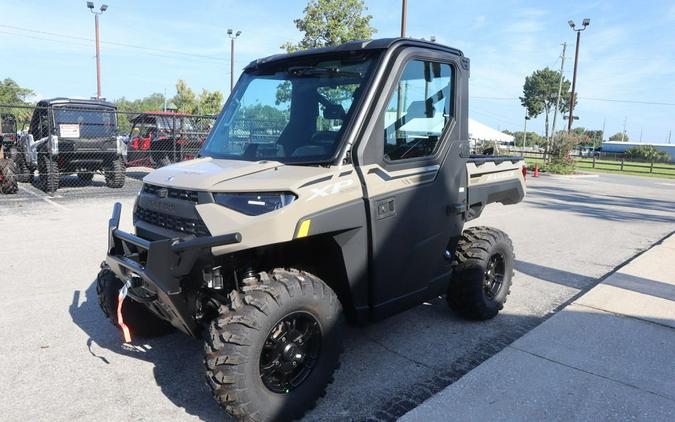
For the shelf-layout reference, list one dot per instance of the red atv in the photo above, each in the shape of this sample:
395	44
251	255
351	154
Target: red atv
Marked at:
158	139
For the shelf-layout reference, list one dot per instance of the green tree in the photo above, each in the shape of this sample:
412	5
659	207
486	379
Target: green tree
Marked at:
210	102
531	139
12	93
332	22
185	99
619	137
540	93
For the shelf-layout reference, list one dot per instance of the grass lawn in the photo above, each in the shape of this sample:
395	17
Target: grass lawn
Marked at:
663	170
633	168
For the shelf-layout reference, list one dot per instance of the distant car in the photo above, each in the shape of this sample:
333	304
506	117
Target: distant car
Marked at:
158	139
72	136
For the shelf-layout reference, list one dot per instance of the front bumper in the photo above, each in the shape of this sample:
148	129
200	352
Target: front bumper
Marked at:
157	268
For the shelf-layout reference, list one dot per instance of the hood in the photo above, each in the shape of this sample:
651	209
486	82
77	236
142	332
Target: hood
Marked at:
204	173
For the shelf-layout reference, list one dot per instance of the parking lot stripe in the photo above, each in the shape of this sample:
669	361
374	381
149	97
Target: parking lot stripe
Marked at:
43	197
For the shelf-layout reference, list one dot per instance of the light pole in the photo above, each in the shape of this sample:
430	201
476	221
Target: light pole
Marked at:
104	7
584	24
233	36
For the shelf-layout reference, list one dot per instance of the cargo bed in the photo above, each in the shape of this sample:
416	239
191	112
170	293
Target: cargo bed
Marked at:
493	179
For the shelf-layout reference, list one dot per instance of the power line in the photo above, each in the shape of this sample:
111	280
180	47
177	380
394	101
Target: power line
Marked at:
82	44
118	44
612	100
628	101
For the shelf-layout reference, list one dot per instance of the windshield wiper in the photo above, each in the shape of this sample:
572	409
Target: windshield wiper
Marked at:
321	71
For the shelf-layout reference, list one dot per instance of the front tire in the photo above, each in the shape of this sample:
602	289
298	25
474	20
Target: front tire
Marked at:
136	316
272	351
24	174
115	174
8	182
48	171
482	272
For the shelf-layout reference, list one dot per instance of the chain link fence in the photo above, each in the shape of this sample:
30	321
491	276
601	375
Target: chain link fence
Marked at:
61	145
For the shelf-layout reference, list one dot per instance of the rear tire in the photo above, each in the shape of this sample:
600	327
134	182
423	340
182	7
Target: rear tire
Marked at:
115	174
482	272
255	346
48	171
141	321
8	182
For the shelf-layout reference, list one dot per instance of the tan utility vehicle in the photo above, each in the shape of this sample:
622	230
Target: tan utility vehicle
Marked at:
334	186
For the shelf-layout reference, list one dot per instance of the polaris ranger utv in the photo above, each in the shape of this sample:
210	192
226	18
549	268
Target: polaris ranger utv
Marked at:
72	136
346	200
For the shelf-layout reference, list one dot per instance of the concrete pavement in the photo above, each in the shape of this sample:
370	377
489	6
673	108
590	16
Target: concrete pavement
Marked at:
606	356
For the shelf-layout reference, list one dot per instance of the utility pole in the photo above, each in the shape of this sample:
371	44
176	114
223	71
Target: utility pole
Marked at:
233	36
585	23
104	7
557	101
404	16
670	132
602	136
623	134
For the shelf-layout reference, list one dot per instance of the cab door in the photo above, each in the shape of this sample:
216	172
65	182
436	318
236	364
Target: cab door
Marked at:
412	162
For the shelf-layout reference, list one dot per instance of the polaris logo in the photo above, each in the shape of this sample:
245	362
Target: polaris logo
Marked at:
163	192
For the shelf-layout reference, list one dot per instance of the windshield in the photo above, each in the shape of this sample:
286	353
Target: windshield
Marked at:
85	122
291	114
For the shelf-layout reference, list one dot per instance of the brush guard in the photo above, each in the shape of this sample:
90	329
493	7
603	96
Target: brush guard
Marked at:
158	267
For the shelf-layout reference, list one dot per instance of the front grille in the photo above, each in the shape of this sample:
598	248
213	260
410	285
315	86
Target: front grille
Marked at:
185	195
178	224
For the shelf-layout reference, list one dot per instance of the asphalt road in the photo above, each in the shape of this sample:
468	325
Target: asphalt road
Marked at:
62	361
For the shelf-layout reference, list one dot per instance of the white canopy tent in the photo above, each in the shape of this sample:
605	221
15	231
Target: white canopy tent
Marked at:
480	132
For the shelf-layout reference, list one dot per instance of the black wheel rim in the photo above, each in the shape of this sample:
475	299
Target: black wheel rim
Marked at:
494	275
290	352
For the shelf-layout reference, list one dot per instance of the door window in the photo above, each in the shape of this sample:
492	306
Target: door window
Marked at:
419	111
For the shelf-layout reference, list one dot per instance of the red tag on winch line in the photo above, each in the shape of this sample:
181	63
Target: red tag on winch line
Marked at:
120	320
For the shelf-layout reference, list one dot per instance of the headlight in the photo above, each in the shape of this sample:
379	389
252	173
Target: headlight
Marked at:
254	203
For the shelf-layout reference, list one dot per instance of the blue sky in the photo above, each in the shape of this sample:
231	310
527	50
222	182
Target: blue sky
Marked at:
627	53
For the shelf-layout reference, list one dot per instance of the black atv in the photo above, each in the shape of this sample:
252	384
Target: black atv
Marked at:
69	136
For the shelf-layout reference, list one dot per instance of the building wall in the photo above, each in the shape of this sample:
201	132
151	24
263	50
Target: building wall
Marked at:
623	146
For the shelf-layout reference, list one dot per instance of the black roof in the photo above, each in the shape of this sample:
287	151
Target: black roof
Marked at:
75	101
359	45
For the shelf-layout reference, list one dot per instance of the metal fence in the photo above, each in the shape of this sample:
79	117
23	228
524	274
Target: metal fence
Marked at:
90	144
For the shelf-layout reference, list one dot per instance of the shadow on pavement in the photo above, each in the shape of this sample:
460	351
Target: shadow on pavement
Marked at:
177	358
565	278
605	207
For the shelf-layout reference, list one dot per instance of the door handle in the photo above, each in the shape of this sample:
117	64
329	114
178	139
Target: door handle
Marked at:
385	208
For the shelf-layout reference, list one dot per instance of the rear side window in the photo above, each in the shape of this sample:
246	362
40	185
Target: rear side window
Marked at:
419	110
